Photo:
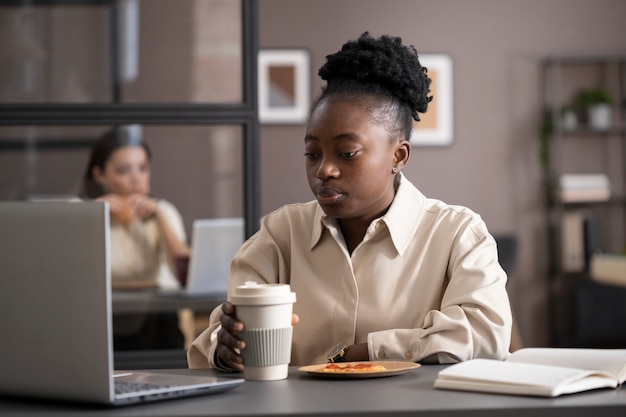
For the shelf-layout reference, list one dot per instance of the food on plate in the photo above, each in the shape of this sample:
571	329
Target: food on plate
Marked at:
353	367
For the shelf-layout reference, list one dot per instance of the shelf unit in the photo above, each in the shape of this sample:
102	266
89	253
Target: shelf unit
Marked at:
584	313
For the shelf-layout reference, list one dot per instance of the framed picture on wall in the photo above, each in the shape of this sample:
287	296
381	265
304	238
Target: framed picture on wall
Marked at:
436	125
284	85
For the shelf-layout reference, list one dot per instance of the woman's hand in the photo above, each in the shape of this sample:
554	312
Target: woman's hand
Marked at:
143	206
125	209
120	210
229	344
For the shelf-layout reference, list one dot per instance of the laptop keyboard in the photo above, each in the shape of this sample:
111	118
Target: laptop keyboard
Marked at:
127	387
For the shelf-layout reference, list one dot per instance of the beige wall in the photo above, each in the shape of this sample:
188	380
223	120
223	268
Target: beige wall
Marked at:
492	166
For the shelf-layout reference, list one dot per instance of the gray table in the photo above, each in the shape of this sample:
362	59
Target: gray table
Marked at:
411	394
152	301
157	301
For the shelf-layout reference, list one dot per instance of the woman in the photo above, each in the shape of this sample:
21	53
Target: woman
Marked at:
147	235
380	270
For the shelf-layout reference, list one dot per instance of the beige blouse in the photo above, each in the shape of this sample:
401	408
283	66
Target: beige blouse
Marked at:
425	282
138	252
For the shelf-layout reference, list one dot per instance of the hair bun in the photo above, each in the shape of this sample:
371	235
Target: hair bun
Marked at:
386	62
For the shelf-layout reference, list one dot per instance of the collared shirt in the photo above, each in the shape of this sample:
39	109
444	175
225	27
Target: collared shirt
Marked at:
425	283
137	250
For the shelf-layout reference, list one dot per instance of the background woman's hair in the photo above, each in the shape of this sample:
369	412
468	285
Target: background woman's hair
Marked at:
101	151
384	73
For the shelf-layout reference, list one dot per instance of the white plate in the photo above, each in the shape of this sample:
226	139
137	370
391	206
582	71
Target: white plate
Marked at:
391	368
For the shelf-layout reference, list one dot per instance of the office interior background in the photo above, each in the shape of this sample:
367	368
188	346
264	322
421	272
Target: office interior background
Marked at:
189	53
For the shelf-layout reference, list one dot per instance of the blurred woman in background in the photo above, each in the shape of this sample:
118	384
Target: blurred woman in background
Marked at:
148	240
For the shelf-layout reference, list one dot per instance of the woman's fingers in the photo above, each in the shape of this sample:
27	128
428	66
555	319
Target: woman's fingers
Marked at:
228	344
229	318
229	358
143	206
229	340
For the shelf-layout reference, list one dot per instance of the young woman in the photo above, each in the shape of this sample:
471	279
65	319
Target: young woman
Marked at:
379	269
147	235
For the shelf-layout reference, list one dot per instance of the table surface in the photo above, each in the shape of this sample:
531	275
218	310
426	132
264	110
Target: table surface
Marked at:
155	300
143	301
410	394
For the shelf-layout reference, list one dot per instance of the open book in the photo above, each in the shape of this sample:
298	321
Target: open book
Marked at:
545	372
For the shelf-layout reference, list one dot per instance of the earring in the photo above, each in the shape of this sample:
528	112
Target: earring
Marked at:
394	170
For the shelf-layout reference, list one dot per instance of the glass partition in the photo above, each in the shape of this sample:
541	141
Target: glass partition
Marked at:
131	51
183	70
197	168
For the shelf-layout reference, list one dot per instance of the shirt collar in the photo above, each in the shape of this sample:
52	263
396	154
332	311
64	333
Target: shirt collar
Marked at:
318	225
403	215
401	218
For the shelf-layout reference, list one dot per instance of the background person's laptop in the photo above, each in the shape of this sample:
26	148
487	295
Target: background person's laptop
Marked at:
56	311
214	243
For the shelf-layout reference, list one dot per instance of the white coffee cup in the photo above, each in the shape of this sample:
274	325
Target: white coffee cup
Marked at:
266	311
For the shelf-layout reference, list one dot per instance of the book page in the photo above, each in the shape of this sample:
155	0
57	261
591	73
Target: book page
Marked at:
611	361
519	378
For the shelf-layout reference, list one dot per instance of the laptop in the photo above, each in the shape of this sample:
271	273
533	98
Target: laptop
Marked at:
214	243
56	312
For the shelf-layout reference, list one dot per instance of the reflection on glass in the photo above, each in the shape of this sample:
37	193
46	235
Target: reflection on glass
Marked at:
198	168
43	162
177	51
187	52
54	54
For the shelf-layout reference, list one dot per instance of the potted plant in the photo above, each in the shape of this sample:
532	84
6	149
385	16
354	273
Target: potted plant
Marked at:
596	104
569	120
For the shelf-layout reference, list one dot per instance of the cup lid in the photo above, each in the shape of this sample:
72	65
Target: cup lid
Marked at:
253	293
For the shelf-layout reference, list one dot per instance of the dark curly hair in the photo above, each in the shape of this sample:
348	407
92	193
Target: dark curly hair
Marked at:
102	149
385	74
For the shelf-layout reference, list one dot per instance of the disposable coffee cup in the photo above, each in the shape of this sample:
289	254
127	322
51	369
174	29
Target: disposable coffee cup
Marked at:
265	310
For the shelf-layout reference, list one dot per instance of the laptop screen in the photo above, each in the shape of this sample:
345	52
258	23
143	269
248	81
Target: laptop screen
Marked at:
55	300
214	244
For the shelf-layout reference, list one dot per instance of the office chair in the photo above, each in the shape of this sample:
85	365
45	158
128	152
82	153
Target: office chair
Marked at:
507	251
507	255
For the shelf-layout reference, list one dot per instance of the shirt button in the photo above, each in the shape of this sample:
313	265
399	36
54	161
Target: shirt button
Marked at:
379	224
408	355
382	354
